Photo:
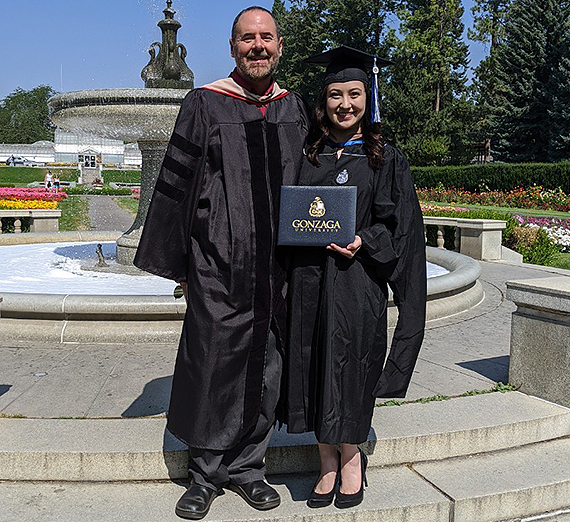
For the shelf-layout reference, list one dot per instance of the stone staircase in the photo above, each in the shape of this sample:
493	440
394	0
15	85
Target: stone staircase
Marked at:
485	458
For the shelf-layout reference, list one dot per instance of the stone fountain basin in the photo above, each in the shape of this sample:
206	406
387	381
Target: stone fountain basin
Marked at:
121	114
72	318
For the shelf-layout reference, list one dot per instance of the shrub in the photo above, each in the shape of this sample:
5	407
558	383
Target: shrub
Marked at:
105	191
496	176
535	245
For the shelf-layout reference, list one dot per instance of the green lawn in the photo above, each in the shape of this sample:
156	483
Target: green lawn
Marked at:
74	214
122	176
21	176
511	210
130	204
561	260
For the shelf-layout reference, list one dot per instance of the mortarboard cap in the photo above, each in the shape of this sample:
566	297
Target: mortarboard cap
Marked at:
345	64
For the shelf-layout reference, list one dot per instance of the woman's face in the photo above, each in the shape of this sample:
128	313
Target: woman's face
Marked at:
345	105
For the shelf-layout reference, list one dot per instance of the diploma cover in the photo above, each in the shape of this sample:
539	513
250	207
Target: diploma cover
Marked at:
317	216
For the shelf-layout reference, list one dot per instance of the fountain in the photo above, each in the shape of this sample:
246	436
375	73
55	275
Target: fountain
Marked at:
60	295
145	115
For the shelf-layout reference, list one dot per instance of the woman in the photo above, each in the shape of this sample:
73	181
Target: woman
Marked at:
339	294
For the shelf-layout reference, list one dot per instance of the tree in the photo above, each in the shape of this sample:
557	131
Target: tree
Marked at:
489	29
427	110
24	116
531	83
313	26
304	34
489	22
559	90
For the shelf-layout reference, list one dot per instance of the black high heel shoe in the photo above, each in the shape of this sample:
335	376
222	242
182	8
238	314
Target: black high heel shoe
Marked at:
319	500
343	500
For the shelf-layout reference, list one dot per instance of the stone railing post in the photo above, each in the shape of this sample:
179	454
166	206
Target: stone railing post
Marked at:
540	337
476	238
41	220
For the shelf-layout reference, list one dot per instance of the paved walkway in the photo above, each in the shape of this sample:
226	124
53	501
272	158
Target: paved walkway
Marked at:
105	214
468	351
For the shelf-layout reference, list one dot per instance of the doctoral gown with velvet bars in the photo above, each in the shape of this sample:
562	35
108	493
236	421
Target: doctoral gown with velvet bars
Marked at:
212	223
336	360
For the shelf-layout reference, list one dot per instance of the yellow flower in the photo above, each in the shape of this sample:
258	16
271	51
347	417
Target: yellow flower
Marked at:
8	204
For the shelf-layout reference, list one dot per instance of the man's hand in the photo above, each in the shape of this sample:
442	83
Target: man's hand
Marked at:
350	250
184	289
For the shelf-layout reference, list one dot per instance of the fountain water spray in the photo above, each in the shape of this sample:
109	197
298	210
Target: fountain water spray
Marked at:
145	115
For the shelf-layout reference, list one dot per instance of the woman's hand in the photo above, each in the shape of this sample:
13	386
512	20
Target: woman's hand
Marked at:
350	250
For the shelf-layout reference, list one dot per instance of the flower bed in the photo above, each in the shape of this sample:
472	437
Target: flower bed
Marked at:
536	197
12	204
558	230
30	194
428	208
29	198
136	193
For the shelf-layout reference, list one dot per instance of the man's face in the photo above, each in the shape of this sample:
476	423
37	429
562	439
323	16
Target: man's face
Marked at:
256	48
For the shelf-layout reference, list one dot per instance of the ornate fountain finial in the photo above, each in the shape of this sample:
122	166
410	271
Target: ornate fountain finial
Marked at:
168	69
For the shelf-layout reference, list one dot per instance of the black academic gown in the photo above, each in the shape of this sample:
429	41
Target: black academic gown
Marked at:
212	223
338	306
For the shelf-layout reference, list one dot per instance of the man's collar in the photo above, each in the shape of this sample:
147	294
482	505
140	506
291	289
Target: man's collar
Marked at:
241	81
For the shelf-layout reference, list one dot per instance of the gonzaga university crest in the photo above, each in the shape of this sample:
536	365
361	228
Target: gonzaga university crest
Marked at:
317	208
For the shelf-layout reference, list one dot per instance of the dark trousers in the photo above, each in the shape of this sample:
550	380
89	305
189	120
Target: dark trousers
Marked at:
246	461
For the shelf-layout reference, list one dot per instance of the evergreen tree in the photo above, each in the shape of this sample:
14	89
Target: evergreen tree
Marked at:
528	61
24	116
489	29
304	33
313	26
559	90
427	109
489	22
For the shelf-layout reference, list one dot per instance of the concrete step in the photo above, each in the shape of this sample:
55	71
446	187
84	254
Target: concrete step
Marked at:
505	485
141	449
395	494
508	485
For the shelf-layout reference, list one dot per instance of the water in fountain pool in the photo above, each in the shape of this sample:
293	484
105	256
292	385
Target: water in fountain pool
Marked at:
67	268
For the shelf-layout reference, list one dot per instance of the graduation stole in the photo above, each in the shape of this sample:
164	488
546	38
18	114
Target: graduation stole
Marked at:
229	87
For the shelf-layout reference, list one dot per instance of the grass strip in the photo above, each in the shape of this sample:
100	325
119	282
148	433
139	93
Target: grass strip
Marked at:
561	260
498	387
129	204
510	210
74	214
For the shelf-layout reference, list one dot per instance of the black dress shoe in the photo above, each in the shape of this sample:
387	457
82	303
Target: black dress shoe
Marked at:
343	500
195	503
319	500
258	494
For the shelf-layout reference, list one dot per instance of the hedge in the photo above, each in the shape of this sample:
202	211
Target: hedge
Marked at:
495	176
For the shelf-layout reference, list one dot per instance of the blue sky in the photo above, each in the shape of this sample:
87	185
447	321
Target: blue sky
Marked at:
92	44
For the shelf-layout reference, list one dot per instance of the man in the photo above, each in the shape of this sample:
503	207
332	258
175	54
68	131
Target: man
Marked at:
212	226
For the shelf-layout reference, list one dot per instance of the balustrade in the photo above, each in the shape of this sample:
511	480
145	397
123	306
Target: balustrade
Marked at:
477	238
41	220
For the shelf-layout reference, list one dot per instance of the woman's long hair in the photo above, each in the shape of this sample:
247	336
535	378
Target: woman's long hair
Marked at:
321	129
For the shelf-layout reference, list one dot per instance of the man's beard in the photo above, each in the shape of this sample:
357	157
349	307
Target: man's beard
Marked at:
252	72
